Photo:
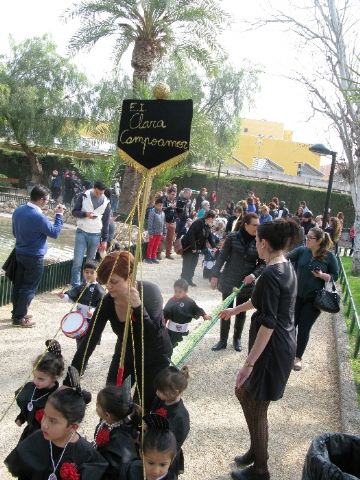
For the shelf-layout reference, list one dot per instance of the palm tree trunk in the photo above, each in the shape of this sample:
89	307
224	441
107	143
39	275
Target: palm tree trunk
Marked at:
36	167
142	61
129	188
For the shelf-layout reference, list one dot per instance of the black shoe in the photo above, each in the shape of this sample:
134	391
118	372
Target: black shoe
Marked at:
148	260
237	345
249	474
219	346
155	260
244	460
192	284
169	257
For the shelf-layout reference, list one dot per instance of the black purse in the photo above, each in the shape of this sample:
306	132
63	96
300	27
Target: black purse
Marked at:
10	266
328	301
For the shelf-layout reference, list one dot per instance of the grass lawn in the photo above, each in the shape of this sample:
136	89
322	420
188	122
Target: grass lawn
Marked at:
354	282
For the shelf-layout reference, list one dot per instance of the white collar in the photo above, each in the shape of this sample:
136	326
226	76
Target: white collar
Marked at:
36	207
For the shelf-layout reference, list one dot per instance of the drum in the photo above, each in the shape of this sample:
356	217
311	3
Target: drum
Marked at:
74	325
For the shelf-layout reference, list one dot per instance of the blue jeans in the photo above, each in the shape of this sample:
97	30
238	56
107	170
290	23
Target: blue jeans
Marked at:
29	271
84	242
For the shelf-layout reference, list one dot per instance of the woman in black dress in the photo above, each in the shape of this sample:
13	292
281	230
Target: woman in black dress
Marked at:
115	270
272	344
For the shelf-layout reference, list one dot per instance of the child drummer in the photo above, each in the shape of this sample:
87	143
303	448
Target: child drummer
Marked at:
87	296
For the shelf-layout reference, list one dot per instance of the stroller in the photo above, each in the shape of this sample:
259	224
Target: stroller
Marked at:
208	262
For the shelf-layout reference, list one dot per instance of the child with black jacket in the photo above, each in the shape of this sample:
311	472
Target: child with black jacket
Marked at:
179	311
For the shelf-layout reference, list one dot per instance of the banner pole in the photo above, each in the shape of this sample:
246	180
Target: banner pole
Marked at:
141	217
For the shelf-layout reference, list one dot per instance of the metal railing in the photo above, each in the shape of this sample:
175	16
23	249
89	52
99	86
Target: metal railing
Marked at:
55	275
349	306
21	199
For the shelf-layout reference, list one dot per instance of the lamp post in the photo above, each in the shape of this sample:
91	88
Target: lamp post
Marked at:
322	150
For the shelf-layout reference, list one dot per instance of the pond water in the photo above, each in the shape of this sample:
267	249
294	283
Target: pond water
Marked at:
59	250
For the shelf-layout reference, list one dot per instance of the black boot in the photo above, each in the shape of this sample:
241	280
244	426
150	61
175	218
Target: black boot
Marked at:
249	473
246	459
224	333
238	328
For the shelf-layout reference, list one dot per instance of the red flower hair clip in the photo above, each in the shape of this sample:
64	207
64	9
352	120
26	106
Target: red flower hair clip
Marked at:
102	437
69	471
161	411
39	415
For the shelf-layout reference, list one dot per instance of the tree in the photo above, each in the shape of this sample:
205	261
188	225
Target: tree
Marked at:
217	105
153	29
99	168
328	33
218	102
41	98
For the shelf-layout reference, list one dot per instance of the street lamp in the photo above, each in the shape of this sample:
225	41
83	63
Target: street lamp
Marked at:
322	150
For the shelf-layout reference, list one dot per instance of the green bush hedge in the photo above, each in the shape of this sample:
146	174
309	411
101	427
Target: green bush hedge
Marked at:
235	189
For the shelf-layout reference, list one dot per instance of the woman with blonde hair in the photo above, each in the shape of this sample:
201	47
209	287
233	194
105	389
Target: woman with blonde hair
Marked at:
334	230
315	265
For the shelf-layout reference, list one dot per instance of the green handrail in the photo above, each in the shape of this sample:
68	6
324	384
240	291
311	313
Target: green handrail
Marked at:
351	311
184	349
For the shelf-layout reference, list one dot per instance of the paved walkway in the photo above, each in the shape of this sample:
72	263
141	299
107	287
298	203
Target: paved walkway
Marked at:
218	431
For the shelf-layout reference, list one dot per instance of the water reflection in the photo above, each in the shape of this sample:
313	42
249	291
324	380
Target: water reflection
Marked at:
59	250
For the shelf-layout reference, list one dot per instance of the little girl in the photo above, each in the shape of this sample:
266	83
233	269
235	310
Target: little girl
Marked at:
57	451
115	434
158	453
170	383
33	396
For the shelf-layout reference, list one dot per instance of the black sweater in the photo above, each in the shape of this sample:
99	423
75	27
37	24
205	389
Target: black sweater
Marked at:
157	345
196	237
182	310
240	257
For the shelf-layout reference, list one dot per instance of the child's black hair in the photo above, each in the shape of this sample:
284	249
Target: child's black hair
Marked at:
70	403
52	363
171	379
112	401
160	440
182	283
91	265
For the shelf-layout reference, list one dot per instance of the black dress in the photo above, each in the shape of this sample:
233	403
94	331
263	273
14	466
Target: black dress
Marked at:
274	299
179	423
157	345
31	460
32	417
117	447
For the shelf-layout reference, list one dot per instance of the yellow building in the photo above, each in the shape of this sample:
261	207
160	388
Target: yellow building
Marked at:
268	143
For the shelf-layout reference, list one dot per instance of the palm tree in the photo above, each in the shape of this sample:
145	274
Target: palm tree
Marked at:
153	29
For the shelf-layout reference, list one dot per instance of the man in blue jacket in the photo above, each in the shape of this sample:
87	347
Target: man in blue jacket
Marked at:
31	229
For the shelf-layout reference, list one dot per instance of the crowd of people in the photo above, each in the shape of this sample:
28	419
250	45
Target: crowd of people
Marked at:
280	260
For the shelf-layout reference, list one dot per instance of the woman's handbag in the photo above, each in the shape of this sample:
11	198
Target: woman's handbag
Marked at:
328	300
10	265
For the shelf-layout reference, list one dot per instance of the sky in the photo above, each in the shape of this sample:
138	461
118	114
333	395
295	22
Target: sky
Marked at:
280	99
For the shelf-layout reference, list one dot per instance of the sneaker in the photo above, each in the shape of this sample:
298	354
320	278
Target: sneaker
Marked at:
23	323
155	260
192	284
169	257
297	364
148	260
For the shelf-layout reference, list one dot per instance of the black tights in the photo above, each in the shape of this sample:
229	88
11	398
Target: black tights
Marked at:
255	412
